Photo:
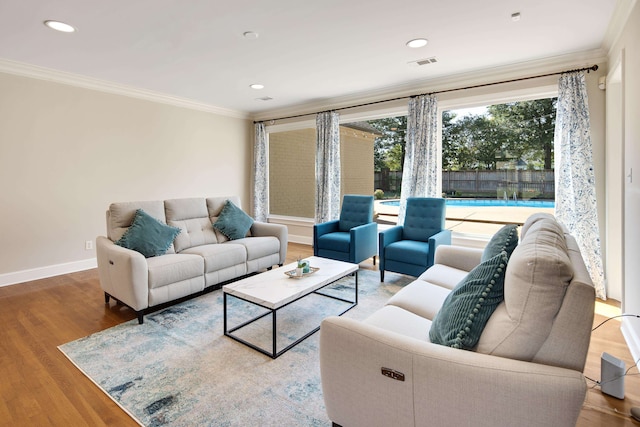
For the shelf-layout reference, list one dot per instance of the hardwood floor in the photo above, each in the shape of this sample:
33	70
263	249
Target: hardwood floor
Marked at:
40	387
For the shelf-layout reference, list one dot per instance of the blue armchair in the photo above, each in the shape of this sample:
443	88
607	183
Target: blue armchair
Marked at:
352	238
410	248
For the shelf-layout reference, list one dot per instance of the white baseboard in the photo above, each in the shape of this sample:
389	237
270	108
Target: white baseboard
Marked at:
632	335
48	271
305	240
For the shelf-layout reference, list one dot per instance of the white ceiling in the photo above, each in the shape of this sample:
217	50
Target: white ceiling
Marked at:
306	52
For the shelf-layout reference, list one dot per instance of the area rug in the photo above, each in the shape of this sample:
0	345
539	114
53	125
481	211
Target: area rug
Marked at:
179	369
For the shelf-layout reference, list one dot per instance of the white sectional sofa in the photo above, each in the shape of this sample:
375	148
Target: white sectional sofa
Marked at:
200	256
526	368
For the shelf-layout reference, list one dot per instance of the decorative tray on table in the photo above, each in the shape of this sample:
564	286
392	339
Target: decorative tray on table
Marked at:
292	273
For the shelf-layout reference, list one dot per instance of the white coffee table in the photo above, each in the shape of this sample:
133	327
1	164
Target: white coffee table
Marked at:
273	289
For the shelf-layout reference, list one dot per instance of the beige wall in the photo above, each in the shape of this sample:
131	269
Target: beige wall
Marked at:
626	53
292	169
67	152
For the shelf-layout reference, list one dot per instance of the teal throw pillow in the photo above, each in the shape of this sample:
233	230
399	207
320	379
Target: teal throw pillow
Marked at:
233	222
147	235
506	239
466	310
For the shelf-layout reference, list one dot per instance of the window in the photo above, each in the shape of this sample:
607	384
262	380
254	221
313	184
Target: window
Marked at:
497	163
292	167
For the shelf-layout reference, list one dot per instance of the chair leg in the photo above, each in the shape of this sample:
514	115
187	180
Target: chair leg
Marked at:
374	260
106	298
381	276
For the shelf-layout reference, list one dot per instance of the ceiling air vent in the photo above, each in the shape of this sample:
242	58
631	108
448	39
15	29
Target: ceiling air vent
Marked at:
426	61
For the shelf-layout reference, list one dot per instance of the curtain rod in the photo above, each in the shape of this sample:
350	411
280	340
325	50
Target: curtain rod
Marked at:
587	69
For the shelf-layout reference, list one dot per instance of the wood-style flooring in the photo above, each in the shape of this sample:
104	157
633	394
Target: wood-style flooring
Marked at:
40	387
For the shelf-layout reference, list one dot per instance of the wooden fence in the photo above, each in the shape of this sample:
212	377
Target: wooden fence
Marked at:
525	184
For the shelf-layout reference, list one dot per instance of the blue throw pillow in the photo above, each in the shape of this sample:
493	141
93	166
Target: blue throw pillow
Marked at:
233	222
466	310
147	235
506	239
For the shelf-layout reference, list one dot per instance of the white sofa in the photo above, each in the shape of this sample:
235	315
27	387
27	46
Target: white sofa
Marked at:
525	370
199	258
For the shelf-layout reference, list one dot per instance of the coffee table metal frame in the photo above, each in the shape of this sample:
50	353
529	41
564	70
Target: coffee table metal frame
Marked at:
274	353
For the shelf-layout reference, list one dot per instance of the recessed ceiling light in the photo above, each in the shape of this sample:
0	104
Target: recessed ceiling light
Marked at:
415	43
256	86
250	35
515	17
59	26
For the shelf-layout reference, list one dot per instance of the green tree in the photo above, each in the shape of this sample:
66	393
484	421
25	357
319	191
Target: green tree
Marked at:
389	148
530	125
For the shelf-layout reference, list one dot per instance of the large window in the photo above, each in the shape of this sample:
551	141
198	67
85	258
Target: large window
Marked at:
292	167
497	163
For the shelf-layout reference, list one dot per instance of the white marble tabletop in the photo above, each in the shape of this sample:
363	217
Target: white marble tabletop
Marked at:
273	288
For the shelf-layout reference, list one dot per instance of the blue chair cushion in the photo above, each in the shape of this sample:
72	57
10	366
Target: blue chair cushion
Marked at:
424	217
408	251
356	210
338	241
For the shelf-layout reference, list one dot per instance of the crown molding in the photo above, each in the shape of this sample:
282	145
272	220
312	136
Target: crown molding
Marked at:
470	78
42	73
617	23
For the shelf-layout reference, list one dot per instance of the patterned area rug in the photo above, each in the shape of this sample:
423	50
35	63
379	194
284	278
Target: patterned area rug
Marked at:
179	369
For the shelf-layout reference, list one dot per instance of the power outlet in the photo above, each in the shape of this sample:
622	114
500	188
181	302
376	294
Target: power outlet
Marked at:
88	245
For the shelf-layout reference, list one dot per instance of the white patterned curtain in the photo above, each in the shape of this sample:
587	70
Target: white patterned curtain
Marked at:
575	179
420	176
327	166
260	174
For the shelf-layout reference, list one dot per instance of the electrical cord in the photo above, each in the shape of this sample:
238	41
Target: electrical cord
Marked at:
615	317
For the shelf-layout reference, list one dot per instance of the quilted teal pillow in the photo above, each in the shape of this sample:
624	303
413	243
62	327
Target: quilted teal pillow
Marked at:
233	222
147	235
465	311
506	239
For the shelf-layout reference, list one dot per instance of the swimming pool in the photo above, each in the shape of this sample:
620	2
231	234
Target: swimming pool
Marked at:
489	202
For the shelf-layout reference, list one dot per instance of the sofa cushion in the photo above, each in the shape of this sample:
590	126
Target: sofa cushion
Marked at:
396	319
337	241
147	235
192	218
467	308
233	222
506	239
174	268
259	247
537	277
421	298
409	251
444	275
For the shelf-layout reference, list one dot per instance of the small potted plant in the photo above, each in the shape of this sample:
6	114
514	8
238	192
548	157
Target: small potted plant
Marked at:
300	267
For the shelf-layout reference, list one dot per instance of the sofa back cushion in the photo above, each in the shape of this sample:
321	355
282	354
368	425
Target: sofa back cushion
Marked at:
192	218
537	276
120	217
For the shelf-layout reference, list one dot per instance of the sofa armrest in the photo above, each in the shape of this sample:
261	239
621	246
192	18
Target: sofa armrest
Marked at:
459	257
440	384
123	273
279	231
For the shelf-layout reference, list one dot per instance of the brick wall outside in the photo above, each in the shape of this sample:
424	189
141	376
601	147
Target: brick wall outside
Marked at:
292	169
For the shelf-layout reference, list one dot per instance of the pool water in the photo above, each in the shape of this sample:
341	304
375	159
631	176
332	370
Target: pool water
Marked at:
489	202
